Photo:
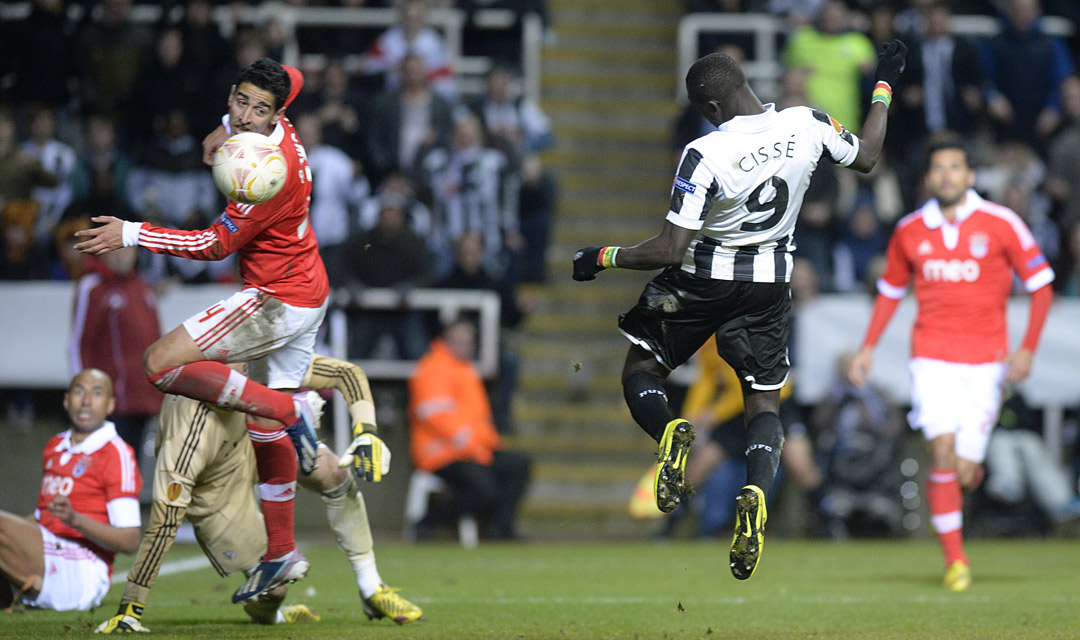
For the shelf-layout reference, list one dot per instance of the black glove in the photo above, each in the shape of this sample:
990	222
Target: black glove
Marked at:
586	264
891	62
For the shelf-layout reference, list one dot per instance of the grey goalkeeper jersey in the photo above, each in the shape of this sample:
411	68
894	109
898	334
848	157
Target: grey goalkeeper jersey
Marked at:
741	187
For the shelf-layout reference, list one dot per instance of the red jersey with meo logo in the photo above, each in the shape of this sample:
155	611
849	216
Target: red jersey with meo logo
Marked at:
100	477
278	253
962	276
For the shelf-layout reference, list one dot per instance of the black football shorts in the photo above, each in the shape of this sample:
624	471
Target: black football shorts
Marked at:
677	312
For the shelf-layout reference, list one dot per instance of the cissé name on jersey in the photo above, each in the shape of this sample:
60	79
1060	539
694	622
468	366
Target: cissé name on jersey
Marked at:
761	155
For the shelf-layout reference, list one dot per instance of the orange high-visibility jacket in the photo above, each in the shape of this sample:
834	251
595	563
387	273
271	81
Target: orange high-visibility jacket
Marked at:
449	412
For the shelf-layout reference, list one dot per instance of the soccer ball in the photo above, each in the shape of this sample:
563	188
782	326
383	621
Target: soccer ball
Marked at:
249	168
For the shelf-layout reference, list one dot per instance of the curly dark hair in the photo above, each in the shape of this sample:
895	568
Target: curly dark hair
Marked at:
714	77
268	75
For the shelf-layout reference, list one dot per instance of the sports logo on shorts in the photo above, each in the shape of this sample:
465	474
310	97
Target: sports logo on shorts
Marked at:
173	492
80	466
228	222
684	185
979	244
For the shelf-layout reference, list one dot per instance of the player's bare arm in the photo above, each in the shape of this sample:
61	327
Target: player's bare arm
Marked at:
212	142
660	251
891	62
122	539
101	240
860	365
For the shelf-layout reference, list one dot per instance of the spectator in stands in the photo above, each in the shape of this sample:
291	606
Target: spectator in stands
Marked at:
1063	164
413	35
20	173
204	51
101	174
166	82
473	188
837	58
817	228
405	121
111	52
513	123
451	434
337	188
860	241
399	187
87	509
469	273
389	255
339	108
69	263
1071	282
538	201
58	159
169	182
41	53
1024	68
115	320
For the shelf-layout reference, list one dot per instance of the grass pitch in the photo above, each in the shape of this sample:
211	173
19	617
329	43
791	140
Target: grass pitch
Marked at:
874	590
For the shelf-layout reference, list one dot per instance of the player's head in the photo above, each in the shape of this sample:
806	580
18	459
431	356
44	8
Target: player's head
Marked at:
712	84
89	399
257	100
460	337
948	172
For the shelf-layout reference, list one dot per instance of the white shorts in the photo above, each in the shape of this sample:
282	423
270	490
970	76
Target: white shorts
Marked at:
75	577
276	339
951	397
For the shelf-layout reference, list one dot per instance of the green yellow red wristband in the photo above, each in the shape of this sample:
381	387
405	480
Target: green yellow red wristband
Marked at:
607	257
882	93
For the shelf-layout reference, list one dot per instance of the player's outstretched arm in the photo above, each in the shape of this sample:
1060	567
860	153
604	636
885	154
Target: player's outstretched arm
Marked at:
101	240
658	252
891	62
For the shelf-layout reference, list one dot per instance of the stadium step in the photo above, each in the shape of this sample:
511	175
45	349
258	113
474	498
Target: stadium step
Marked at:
609	89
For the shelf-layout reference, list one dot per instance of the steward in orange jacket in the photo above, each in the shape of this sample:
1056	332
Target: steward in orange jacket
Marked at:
449	412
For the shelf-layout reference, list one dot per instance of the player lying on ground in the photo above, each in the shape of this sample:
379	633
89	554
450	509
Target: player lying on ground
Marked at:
87	509
205	470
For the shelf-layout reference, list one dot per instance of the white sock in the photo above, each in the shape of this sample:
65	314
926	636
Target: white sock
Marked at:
367	574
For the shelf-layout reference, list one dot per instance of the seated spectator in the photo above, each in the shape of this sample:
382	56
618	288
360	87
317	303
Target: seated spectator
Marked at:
103	168
167	82
1024	67
110	53
861	240
1063	163
472	187
451	434
337	188
405	121
169	183
413	36
513	123
837	58
58	159
389	255
536	211
20	173
339	108
398	187
87	510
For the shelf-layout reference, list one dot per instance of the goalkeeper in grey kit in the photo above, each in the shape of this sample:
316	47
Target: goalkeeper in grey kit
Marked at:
205	470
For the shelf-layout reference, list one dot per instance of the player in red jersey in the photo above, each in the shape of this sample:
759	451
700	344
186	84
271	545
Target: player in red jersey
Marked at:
959	252
87	510
272	323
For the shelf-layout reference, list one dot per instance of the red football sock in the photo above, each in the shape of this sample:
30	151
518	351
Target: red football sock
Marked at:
275	458
219	385
947	513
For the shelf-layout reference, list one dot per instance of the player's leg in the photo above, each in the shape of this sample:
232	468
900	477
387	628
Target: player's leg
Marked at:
348	518
753	339
22	555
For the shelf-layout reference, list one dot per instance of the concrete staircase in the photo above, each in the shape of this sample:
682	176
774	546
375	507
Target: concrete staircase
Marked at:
608	86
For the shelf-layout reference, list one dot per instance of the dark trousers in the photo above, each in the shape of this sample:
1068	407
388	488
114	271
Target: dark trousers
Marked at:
491	493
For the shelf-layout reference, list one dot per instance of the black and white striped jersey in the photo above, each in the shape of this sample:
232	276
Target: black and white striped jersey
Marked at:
742	186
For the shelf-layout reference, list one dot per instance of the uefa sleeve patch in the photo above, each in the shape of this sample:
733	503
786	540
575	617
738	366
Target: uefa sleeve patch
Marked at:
1035	262
228	222
684	185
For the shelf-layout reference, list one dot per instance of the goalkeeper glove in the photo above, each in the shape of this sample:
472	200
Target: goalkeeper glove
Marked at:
126	621
587	264
368	456
892	59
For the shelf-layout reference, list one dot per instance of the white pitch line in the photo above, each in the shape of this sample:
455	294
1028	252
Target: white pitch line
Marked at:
169	568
